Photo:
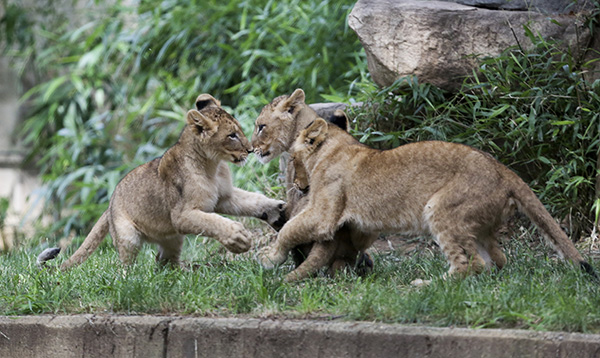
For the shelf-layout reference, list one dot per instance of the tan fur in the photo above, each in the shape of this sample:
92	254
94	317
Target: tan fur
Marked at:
276	128
458	194
181	193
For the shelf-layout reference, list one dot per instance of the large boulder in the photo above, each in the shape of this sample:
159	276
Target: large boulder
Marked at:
439	41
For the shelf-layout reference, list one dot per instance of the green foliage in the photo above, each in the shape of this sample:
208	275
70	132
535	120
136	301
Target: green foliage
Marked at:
119	80
533	110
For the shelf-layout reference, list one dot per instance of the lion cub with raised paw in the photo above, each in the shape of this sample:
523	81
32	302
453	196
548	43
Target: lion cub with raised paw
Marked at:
458	194
181	193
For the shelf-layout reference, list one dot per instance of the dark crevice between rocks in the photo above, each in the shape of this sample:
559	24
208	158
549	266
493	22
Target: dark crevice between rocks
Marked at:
489	7
165	334
548	7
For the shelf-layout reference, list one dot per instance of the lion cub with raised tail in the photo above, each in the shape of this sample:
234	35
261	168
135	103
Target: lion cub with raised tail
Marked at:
181	193
458	194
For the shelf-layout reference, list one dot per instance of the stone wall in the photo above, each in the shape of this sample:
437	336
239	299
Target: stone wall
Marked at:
17	183
165	336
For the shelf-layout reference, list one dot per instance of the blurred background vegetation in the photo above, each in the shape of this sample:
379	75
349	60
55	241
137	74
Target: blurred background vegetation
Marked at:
106	87
114	81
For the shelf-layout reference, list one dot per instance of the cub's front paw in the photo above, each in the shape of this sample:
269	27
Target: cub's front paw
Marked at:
275	215
238	241
268	257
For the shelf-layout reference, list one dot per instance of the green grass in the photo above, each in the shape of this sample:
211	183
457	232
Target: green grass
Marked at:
532	292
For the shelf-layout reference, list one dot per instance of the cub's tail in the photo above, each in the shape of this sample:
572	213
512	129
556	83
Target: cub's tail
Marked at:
47	255
531	206
90	244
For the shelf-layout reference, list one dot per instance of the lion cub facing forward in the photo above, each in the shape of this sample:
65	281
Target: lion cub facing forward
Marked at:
456	193
181	192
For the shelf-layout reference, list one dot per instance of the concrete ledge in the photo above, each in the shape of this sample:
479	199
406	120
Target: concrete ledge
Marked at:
151	336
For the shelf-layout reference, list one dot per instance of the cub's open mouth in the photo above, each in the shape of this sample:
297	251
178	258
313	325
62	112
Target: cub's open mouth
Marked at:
240	160
263	157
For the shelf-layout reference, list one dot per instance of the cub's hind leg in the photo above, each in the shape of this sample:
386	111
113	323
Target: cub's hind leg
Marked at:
462	218
169	251
492	246
299	253
457	242
321	253
462	256
473	256
350	252
361	241
126	238
364	263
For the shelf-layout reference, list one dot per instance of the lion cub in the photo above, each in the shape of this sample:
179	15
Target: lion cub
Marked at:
458	194
181	192
277	127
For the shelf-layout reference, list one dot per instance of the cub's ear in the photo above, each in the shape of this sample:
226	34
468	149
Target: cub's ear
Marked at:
316	132
206	101
293	102
340	119
204	126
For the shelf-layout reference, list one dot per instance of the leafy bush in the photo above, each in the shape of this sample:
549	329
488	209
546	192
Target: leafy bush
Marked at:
121	78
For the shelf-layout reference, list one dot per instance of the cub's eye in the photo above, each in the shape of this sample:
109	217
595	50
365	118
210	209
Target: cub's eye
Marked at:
232	136
260	127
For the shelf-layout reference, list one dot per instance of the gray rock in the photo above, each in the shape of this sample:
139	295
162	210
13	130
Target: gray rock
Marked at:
325	110
439	41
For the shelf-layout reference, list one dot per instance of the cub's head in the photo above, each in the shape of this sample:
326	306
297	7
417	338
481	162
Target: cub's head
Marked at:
305	145
216	132
273	131
309	140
